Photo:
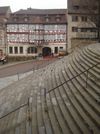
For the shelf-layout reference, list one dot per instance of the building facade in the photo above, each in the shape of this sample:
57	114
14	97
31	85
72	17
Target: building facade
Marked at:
37	31
82	28
4	15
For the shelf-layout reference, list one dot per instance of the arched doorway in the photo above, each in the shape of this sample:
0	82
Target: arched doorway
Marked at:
46	51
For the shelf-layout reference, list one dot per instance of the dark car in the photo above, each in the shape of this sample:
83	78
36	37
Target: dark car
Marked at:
3	59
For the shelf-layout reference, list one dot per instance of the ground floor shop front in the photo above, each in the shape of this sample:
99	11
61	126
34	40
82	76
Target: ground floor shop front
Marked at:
31	50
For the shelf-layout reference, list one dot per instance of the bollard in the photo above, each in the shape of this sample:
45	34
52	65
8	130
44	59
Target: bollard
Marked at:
87	79
18	75
29	116
45	106
29	109
33	69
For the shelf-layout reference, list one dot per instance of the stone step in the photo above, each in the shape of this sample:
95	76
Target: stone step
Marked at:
95	71
86	94
57	108
86	106
46	117
53	117
80	68
73	113
92	88
79	108
78	97
34	110
95	49
82	78
90	55
67	118
90	62
40	123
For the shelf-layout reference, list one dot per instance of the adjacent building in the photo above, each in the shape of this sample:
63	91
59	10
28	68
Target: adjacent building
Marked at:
82	28
4	15
37	31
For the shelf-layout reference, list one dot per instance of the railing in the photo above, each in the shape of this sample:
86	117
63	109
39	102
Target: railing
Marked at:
16	109
28	115
36	67
85	71
28	104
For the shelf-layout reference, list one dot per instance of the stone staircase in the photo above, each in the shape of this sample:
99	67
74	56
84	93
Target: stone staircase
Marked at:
64	97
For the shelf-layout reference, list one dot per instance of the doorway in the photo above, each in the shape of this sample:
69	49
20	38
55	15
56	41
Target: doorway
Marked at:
46	51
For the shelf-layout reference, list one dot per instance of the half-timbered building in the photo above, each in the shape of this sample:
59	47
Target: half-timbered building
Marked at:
4	15
37	31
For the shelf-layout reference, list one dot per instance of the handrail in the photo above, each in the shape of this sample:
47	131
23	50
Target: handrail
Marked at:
28	115
23	105
73	77
32	69
14	110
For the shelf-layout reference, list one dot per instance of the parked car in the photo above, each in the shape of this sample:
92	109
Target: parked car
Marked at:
3	59
62	53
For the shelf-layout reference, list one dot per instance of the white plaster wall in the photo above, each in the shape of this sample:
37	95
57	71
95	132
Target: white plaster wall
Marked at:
51	45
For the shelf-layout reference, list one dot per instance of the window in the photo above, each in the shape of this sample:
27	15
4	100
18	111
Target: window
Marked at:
21	50
85	7
95	7
10	50
47	18
75	18
94	18
56	50
74	29
15	19
16	50
83	29
93	30
32	50
61	48
76	7
58	18
84	18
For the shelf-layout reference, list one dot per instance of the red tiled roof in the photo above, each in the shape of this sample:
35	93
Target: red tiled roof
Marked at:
41	11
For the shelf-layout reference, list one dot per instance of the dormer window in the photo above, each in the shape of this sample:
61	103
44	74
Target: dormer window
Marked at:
15	19
58	18
25	19
47	18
